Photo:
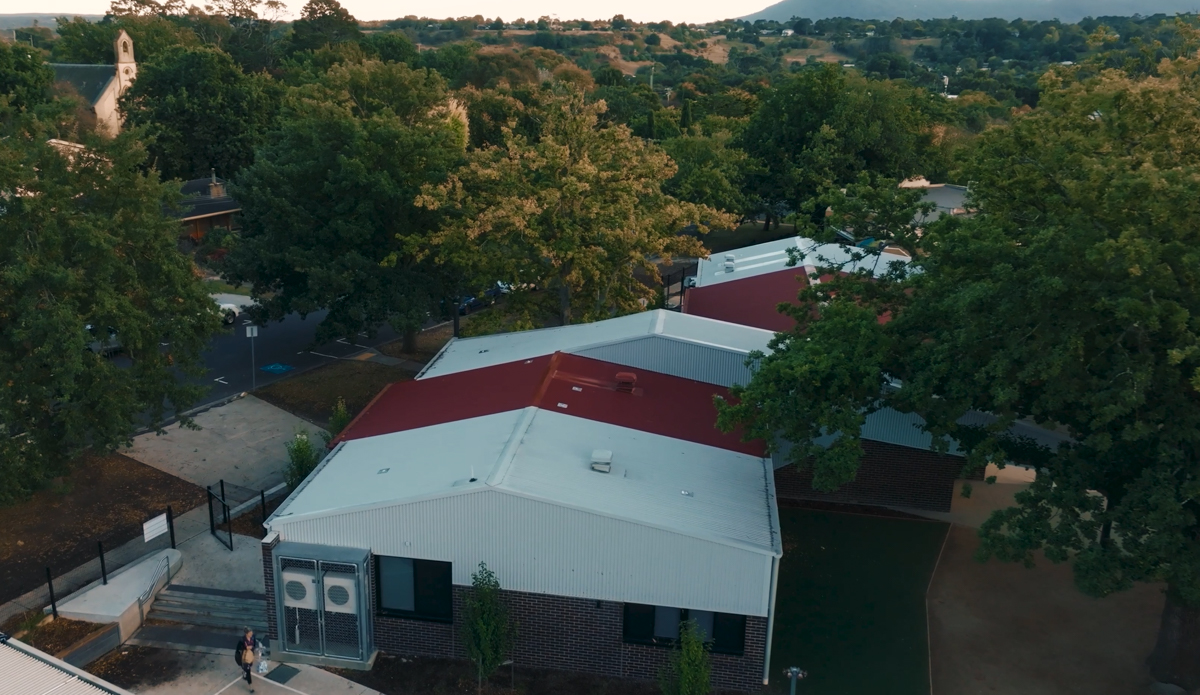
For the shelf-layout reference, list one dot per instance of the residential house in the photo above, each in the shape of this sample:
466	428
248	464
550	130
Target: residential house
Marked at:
101	86
603	497
206	204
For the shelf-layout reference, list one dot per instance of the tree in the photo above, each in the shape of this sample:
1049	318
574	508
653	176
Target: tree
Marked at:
1068	299
392	46
303	458
488	633
825	125
24	79
323	22
576	211
82	41
711	171
200	112
84	242
687	671
327	206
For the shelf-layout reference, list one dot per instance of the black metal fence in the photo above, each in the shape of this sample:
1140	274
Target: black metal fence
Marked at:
219	516
675	283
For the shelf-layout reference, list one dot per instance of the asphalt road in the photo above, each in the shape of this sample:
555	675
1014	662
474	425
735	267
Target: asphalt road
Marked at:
280	344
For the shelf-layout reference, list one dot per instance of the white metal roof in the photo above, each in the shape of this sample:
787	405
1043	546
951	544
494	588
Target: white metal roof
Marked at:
473	353
27	671
772	256
546	455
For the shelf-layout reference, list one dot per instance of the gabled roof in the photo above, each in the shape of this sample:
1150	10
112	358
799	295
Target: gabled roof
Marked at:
89	81
747	285
463	354
577	386
198	202
684	487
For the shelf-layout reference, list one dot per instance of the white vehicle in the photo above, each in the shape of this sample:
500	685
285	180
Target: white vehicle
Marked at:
229	313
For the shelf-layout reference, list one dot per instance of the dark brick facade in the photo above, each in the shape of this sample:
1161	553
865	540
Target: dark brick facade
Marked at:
889	475
269	581
570	634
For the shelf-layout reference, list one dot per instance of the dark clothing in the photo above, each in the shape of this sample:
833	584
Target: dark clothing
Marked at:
246	664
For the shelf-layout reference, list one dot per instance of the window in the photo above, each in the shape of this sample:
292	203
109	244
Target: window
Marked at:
413	588
659	625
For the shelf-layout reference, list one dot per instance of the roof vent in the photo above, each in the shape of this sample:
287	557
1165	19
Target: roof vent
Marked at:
730	258
729	266
602	460
626	381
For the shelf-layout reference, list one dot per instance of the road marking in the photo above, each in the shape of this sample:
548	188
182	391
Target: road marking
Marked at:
221	380
163	344
247	322
235	680
311	352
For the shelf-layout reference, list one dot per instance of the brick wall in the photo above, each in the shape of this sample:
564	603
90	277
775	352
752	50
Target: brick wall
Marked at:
570	634
889	476
269	581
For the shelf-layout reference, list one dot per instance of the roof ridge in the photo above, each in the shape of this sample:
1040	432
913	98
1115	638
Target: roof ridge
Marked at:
504	462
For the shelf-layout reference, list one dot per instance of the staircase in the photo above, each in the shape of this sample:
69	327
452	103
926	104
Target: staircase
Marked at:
203	619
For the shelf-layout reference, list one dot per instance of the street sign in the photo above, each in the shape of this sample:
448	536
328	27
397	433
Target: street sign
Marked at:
251	331
277	368
155	527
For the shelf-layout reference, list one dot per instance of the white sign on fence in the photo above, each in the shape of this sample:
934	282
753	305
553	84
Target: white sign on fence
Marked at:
155	527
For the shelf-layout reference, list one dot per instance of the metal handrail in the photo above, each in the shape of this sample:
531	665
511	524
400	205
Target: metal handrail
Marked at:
163	568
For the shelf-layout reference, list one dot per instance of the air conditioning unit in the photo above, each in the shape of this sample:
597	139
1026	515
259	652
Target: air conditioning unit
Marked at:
299	588
341	593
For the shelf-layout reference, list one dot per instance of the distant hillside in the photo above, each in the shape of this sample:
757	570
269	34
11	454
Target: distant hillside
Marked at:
1065	10
20	21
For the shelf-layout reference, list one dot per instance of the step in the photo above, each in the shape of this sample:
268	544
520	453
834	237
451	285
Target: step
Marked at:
205	591
233	625
188	638
217	604
184	613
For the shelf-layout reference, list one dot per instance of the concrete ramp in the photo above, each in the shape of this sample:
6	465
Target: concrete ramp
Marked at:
128	594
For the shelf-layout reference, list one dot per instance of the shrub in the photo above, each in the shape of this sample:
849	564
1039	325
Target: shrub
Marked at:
487	632
688	669
303	457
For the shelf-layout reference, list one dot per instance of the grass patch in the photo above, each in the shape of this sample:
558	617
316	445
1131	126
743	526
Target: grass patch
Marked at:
53	636
104	498
222	287
721	240
312	395
851	603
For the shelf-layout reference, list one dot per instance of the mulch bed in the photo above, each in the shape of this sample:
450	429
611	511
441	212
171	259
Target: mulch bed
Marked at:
105	498
250	523
419	676
311	395
56	635
428	343
131	666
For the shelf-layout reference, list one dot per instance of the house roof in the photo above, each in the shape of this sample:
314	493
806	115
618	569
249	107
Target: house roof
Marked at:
197	203
688	488
577	386
89	81
462	354
28	670
747	285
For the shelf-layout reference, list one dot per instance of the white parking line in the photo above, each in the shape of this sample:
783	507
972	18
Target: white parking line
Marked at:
259	681
227	687
221	380
322	355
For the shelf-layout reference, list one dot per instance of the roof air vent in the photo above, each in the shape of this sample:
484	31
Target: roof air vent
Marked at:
730	258
602	460
729	266
626	381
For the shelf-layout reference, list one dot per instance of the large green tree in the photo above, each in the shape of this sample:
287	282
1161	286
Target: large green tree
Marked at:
84	241
24	78
711	171
578	210
200	111
825	125
323	22
83	41
1071	299
328	215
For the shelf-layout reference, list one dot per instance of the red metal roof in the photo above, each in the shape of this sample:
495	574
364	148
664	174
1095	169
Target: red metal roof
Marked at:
580	386
751	301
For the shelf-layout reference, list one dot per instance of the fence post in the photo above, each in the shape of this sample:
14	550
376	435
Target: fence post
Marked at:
228	524
223	497
50	584
212	524
262	498
171	526
103	571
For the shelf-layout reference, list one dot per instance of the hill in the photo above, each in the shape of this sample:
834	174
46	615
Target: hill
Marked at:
1064	10
20	21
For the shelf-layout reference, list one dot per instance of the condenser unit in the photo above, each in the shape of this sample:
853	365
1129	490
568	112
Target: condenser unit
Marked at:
299	588
341	593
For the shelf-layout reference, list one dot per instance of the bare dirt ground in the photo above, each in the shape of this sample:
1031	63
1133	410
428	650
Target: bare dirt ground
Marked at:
1001	629
105	498
613	54
312	395
717	51
134	667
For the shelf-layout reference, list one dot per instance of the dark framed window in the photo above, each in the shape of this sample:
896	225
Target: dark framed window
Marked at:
659	626
407	588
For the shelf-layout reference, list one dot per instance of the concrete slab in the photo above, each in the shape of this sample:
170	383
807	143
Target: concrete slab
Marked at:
212	674
974	510
107	603
211	565
241	443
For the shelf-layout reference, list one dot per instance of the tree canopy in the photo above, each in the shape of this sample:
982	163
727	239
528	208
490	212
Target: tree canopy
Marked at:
199	111
85	243
1070	299
328	212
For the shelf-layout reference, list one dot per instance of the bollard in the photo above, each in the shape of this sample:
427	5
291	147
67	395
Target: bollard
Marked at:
103	571
171	526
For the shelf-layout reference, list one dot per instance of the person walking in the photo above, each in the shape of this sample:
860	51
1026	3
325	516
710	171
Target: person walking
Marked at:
244	653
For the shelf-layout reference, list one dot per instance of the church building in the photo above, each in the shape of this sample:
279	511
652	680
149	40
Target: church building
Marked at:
101	86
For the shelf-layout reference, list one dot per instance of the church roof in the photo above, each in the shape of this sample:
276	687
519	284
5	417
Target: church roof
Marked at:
89	81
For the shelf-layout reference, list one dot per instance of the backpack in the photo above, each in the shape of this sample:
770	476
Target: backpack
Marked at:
237	652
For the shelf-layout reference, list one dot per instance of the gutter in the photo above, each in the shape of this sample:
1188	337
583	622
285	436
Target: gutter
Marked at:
771	620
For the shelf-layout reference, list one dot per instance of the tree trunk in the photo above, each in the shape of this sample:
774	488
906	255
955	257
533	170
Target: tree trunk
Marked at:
564	303
454	313
410	339
1176	656
767	222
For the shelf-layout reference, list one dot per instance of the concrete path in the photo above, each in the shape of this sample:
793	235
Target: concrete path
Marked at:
241	443
211	565
212	674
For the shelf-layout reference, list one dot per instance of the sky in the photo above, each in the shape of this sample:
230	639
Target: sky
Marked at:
638	10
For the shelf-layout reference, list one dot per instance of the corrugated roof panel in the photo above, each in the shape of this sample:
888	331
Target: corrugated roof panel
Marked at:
27	671
772	257
699	361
